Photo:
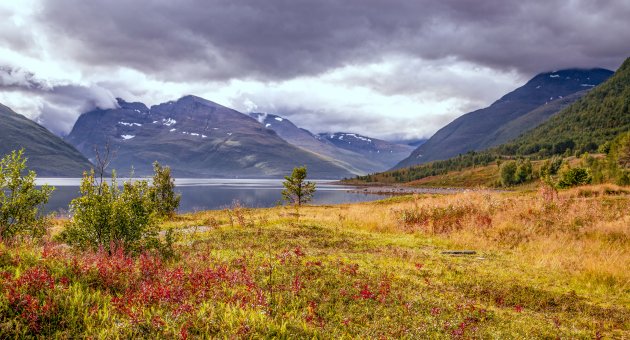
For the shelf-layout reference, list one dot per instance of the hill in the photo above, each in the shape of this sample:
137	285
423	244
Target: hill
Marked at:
509	116
596	118
47	154
593	122
196	138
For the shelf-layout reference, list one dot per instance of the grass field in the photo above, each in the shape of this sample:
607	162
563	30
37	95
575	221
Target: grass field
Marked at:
545	265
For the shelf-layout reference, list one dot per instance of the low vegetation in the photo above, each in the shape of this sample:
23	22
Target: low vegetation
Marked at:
543	264
20	200
127	216
490	169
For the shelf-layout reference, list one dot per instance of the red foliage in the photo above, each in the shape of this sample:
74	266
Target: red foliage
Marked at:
30	296
351	269
297	285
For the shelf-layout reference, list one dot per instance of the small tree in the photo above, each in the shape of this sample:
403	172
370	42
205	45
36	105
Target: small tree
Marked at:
296	189
571	177
551	166
163	191
623	151
20	199
524	172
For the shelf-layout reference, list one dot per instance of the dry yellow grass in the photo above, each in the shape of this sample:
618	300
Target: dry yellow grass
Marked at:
581	236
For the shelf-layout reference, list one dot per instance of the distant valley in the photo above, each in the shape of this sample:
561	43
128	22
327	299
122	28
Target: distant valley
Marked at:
199	138
352	151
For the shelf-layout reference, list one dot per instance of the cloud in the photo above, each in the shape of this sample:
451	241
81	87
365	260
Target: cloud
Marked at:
382	68
55	106
276	40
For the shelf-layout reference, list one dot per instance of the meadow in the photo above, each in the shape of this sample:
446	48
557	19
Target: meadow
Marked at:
540	264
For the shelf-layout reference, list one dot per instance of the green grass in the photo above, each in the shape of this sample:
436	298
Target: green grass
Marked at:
347	271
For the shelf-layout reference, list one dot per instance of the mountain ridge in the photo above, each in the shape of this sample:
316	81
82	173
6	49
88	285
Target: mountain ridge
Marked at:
197	138
357	160
474	131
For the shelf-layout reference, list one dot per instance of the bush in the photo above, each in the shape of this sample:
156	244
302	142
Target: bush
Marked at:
573	177
20	199
508	170
105	214
513	173
551	166
163	192
524	172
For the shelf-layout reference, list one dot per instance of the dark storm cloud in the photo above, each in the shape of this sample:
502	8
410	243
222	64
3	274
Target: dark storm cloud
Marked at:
283	39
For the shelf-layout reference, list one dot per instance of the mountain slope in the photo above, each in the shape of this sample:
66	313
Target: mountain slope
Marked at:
385	152
196	138
596	118
358	160
489	127
47	154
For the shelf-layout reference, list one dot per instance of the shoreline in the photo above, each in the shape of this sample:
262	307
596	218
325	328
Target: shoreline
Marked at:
404	190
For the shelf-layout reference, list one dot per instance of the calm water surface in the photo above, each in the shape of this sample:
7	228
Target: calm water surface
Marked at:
204	194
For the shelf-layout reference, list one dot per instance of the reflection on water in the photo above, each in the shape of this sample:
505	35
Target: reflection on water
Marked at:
205	194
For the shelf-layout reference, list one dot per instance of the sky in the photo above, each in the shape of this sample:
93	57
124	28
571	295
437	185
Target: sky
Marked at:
392	69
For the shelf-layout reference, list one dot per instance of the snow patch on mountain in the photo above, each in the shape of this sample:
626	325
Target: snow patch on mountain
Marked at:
169	121
129	124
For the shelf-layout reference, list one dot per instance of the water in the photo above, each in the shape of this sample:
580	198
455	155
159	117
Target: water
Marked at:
206	194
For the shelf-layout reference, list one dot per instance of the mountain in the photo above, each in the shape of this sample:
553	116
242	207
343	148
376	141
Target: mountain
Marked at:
494	125
413	142
594	119
48	155
196	138
385	152
361	160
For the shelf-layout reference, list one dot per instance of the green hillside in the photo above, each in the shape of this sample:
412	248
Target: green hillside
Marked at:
47	154
594	119
590	122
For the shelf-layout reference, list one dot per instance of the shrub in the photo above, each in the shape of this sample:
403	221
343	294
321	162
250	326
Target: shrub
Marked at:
524	172
163	192
571	177
513	172
105	214
20	199
508	169
551	166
